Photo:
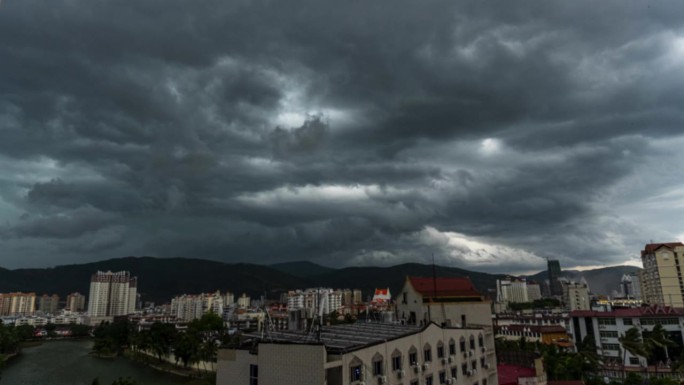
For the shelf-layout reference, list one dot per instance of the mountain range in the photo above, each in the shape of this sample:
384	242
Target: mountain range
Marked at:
160	279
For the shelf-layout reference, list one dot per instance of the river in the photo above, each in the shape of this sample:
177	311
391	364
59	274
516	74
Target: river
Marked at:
68	363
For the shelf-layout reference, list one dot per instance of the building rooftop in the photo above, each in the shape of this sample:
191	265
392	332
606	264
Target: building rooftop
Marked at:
344	337
509	374
644	311
652	247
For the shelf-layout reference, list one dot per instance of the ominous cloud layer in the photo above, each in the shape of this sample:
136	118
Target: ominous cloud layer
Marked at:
353	132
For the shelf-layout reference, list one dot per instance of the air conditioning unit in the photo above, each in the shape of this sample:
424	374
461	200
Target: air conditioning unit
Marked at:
483	349
470	372
486	366
470	353
401	374
444	361
451	359
426	366
382	379
449	381
417	368
474	371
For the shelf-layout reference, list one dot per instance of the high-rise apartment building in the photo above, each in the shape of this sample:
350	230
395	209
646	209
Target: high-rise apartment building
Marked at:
48	303
75	302
554	270
575	295
188	307
662	274
17	303
112	294
511	290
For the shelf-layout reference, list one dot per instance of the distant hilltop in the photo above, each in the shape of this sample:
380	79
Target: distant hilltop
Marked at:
160	279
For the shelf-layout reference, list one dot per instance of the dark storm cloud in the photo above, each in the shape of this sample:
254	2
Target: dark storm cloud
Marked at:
352	132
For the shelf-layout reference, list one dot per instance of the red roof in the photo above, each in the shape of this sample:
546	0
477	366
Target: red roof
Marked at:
566	382
509	374
446	287
652	247
381	291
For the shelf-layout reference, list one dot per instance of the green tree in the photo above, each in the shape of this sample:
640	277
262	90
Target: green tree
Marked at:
186	347
658	338
125	381
161	338
631	342
633	379
208	351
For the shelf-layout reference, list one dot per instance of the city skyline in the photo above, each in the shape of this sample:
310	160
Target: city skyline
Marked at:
346	134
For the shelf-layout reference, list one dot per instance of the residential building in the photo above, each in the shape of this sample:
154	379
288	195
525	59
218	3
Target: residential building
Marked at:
18	303
48	303
662	274
552	334
357	296
188	307
533	291
554	272
511	290
362	353
244	301
381	297
575	295
315	301
606	327
111	294
75	302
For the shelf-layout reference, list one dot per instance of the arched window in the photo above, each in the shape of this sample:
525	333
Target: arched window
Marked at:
413	356
472	342
480	340
440	349
462	344
356	369
452	347
427	353
396	360
378	365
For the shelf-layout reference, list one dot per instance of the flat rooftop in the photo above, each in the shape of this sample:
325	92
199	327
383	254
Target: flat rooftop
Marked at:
343	337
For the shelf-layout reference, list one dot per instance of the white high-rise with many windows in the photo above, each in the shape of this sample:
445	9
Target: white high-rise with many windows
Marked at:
112	294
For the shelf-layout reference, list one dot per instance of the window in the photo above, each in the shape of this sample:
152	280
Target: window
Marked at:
396	362
428	380
452	347
377	368
473	364
427	354
482	362
414	382
661	321
355	372
253	374
484	381
440	350
634	360
413	356
472	343
608	334
454	372
480	341
442	377
464	369
615	347
627	321
462	345
606	321
403	297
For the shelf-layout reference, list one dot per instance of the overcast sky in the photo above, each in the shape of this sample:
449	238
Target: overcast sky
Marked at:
492	134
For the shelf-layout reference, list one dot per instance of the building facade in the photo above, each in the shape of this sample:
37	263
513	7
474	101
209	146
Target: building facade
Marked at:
112	294
48	303
18	303
662	274
554	272
575	296
364	353
75	302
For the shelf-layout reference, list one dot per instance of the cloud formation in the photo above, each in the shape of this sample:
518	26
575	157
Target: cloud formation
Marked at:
349	133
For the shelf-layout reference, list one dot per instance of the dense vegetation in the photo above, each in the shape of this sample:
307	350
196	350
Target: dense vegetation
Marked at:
656	346
545	303
197	343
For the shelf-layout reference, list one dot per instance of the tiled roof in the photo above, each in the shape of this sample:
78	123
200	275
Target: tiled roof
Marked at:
446	287
652	247
509	374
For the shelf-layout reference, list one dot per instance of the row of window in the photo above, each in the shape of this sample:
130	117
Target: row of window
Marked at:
644	321
356	368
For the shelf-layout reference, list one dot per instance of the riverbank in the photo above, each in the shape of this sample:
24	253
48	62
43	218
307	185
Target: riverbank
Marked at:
203	376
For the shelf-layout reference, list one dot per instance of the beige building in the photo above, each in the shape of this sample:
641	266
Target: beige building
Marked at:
661	278
575	296
111	294
363	353
75	302
18	303
48	303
